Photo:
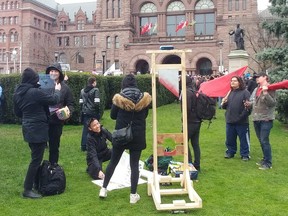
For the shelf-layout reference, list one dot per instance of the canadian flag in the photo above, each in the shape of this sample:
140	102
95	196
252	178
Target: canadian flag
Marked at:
181	25
146	28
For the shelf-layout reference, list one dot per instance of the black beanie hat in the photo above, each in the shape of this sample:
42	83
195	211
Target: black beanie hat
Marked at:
30	76
57	67
129	81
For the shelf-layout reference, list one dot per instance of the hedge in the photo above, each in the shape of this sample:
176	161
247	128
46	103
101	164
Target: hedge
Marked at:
108	87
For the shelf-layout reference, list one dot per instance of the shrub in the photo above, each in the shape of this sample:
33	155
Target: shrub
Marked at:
108	87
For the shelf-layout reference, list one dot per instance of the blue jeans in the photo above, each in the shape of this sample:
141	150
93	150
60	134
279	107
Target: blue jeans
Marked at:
242	130
262	130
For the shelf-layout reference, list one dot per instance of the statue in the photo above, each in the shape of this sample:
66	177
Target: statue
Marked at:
238	37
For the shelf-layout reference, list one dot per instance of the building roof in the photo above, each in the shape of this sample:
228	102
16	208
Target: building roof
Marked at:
72	9
50	3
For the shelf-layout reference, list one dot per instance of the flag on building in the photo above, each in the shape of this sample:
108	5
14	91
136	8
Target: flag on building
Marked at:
154	28
220	86
146	28
181	25
192	22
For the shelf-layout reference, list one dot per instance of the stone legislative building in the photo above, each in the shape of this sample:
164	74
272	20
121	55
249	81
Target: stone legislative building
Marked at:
93	36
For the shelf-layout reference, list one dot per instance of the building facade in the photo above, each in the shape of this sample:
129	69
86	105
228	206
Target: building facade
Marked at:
105	32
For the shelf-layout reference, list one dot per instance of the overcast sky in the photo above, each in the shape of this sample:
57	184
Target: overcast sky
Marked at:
262	4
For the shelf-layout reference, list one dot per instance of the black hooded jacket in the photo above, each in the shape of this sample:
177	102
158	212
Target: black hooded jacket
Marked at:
66	96
31	104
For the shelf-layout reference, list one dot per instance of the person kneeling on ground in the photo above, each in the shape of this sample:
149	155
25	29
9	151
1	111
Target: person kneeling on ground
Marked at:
97	149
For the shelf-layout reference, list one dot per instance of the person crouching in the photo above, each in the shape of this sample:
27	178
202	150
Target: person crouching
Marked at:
97	149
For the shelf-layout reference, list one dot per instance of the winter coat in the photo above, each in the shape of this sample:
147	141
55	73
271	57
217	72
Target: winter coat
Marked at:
97	147
31	104
236	113
130	101
90	101
66	99
263	108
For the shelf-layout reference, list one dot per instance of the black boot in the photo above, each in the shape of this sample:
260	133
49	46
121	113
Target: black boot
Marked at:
31	194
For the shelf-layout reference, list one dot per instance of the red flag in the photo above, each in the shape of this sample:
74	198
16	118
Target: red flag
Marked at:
146	28
220	86
181	25
279	85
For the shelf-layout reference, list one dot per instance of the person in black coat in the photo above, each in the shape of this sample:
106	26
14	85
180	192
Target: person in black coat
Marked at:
237	119
194	123
31	104
130	105
56	124
90	107
97	149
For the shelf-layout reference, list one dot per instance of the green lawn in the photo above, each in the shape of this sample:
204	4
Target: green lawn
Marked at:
227	187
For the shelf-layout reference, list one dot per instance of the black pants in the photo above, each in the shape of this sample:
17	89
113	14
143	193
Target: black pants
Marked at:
55	132
37	152
193	136
134	166
93	171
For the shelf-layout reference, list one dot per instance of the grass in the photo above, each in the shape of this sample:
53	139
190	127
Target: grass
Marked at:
227	187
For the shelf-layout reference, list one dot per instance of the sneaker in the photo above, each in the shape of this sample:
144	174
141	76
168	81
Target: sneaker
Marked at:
265	166
228	156
260	163
245	158
103	193
134	198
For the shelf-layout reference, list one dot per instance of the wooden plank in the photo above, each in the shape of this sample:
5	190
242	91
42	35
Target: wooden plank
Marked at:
177	137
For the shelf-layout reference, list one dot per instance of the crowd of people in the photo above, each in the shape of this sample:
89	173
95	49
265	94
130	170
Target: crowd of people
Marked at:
41	123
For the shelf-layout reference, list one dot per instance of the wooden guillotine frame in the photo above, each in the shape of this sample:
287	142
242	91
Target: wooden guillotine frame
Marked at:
181	147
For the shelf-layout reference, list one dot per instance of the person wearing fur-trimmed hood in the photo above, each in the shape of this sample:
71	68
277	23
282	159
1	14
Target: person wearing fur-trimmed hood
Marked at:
129	104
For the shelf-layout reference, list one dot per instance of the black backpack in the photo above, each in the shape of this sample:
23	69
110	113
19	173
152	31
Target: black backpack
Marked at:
50	180
205	107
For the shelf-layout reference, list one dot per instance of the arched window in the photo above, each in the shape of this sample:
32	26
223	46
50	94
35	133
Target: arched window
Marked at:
12	37
176	6
230	5
148	19
1	36
80	58
108	42
205	21
148	8
204	66
107	9
116	42
4	37
119	8
113	8
175	15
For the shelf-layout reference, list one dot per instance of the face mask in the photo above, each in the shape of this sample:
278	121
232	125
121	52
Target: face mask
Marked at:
53	76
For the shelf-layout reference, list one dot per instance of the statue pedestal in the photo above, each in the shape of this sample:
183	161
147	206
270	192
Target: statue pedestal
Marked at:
237	59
